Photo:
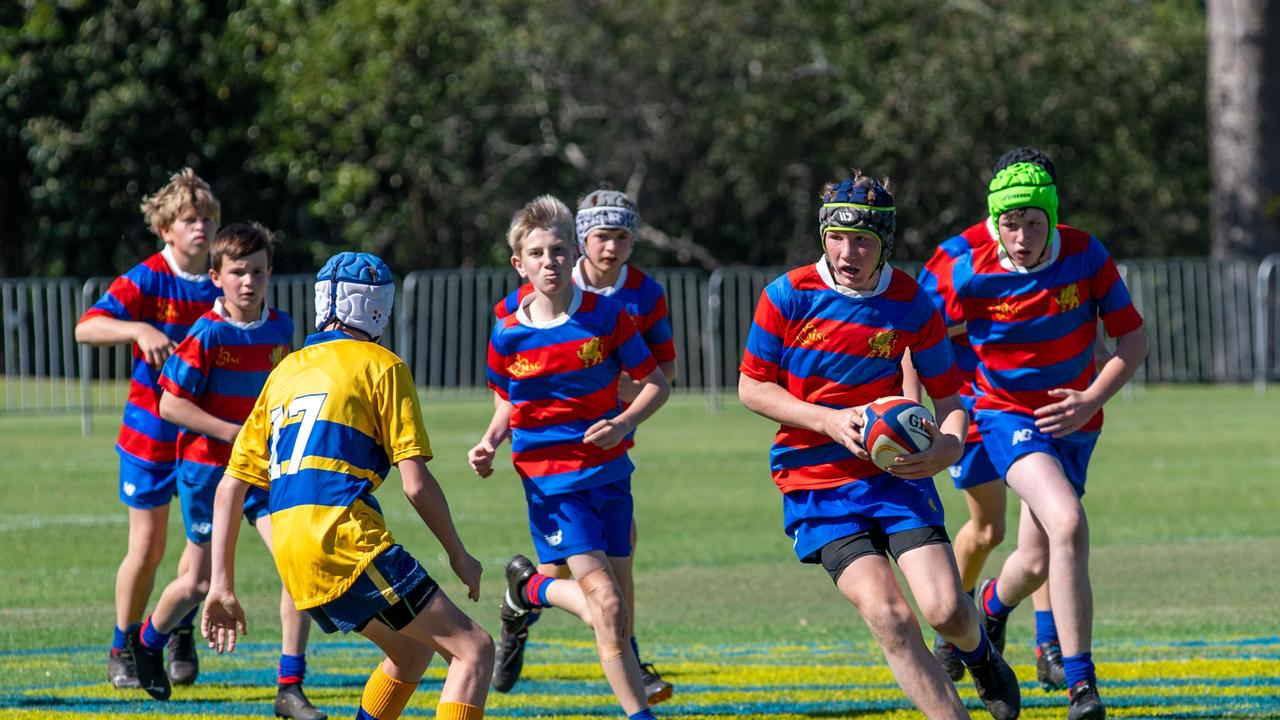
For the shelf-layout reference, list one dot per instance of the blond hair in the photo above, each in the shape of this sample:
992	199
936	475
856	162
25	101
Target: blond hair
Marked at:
185	190
544	212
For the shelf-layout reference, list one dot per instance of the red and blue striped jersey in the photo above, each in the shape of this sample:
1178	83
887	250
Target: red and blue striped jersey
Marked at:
1034	330
939	266
156	292
561	378
641	295
221	366
839	348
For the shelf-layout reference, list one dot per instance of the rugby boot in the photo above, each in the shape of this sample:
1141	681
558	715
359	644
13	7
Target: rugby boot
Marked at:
1049	670
997	686
121	672
184	664
657	689
508	660
949	662
519	570
149	663
292	703
996	627
1085	703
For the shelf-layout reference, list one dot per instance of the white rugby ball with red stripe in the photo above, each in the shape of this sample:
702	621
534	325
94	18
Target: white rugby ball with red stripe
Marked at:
895	427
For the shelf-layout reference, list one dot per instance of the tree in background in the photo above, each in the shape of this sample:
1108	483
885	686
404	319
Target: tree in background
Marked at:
1244	122
415	128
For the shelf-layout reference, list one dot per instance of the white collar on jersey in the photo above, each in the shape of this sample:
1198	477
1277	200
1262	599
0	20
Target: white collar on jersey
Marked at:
1055	246
824	272
522	312
167	252
581	281
219	308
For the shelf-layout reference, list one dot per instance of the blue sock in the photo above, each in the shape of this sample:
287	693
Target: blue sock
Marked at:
189	619
635	647
991	603
1079	667
117	640
534	616
293	668
1046	629
151	637
645	714
977	654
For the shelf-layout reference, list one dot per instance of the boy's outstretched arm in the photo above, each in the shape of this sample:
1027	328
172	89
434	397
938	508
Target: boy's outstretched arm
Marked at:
481	456
100	330
428	499
1077	407
611	431
223	617
772	401
181	411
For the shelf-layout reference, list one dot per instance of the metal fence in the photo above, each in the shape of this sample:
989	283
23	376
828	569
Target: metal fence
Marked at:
1208	321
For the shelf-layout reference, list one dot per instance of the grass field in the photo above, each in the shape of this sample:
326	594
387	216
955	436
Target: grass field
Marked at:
1183	512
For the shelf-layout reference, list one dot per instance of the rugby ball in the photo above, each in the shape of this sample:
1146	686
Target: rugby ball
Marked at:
894	426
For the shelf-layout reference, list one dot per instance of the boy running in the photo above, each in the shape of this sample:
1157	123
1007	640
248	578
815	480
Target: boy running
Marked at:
984	493
332	419
607	225
1030	294
827	339
210	384
555	364
152	306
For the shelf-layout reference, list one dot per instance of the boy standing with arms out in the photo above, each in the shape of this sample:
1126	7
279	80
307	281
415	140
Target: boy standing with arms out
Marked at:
210	384
827	339
330	422
1031	297
555	364
975	475
153	306
607	225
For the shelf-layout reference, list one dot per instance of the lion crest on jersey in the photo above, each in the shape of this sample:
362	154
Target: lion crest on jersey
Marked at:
1069	298
591	352
810	335
277	354
1002	311
882	343
523	367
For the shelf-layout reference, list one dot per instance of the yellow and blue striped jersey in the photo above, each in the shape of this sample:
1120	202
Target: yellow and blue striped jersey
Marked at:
330	421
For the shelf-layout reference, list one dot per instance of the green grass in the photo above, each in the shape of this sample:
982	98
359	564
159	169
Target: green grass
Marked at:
1181	500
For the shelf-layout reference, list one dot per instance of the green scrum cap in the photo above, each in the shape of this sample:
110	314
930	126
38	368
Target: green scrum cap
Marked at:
1023	185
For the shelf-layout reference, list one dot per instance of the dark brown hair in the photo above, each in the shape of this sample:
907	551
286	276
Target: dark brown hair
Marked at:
240	240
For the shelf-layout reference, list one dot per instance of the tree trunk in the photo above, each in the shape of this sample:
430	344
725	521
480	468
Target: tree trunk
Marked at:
1244	126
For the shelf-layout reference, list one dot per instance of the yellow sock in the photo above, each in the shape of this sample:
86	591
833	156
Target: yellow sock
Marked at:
458	711
385	697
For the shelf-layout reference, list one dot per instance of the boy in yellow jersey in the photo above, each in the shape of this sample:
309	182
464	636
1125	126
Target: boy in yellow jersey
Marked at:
331	420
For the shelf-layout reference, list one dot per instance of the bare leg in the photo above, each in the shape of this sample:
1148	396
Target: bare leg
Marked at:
868	583
295	625
982	532
137	574
1040	481
186	591
609	612
931	574
441	627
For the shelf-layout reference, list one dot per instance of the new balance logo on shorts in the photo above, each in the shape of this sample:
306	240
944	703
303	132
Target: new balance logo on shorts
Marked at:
1023	435
954	471
554	538
130	489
